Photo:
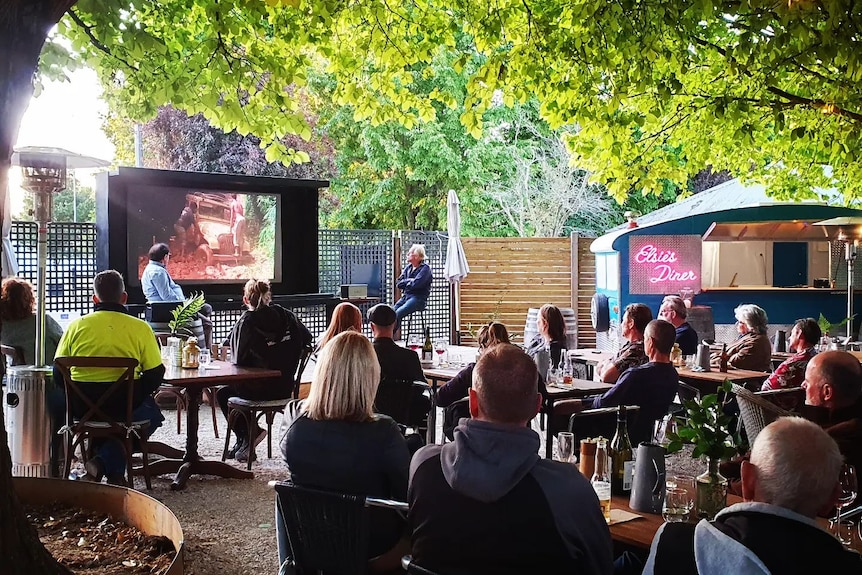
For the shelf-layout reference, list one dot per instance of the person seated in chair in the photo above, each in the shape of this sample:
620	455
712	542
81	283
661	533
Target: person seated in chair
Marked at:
751	349
158	286
335	441
111	332
266	335
551	338
650	386
414	283
397	363
673	310
17	309
791	479
634	321
791	373
487	503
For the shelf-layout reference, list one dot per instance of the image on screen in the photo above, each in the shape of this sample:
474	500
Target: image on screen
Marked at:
213	236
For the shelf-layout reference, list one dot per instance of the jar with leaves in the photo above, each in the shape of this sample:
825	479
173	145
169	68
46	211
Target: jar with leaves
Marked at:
708	429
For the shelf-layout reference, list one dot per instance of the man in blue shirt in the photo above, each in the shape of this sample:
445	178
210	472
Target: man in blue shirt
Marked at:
414	283
650	386
673	310
158	286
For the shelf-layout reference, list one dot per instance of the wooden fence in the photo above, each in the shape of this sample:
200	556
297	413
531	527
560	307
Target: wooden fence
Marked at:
510	275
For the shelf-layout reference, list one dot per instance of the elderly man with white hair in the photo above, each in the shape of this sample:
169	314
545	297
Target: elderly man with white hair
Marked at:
414	283
791	478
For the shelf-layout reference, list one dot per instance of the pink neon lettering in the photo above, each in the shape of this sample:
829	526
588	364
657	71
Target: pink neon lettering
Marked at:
649	254
664	273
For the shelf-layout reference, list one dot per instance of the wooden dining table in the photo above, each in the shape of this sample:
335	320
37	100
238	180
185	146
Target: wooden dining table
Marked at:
640	532
185	464
709	381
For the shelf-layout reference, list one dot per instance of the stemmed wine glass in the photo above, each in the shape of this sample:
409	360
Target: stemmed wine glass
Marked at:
440	347
848	489
413	342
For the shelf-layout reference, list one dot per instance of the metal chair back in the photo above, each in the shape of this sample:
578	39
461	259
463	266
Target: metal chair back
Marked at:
603	422
304	357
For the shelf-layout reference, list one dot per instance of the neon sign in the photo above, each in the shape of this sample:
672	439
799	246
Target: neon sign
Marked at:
664	264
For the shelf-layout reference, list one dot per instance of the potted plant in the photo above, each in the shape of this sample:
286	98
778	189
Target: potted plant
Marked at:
826	326
184	314
708	429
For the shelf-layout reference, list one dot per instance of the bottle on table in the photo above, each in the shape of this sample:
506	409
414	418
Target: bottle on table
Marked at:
601	479
622	462
676	355
427	348
722	364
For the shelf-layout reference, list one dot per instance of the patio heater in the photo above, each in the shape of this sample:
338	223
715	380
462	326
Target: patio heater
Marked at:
849	230
28	422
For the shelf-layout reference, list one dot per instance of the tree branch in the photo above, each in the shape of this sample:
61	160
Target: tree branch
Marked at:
96	42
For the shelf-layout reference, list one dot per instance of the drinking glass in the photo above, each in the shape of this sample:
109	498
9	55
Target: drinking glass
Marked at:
677	504
204	358
566	447
413	342
844	531
848	489
683	483
440	347
664	427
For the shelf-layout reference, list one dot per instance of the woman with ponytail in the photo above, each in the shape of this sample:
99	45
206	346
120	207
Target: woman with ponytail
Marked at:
266	335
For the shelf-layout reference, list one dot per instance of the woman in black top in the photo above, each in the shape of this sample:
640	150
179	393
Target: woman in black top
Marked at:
456	388
552	334
336	442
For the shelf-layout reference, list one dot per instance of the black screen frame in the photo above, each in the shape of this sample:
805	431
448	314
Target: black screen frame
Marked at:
297	223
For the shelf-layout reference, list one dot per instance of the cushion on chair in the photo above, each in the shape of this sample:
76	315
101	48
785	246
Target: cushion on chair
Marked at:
263	404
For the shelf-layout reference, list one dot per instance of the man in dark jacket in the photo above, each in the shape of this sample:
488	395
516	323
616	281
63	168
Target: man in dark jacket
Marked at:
268	336
487	503
791	478
398	365
673	310
414	283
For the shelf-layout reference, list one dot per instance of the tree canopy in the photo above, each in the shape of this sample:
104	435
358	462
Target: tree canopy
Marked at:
765	90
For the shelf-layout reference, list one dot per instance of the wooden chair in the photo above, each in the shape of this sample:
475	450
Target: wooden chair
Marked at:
328	531
179	394
757	410
95	423
251	411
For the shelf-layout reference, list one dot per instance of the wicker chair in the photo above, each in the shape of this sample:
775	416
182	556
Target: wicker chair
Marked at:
757	410
327	531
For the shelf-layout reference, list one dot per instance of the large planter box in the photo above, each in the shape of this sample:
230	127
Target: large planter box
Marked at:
133	507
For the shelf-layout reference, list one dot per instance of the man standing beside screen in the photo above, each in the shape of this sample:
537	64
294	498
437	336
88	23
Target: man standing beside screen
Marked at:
158	286
237	224
414	283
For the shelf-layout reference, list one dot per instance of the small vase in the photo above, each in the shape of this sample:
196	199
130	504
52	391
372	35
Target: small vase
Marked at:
711	491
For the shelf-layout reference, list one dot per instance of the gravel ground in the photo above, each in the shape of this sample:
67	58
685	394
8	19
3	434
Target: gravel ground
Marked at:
229	523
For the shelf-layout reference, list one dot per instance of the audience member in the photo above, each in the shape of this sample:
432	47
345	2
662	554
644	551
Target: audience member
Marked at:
345	316
635	319
459	386
551	338
414	283
17	309
752	349
111	332
266	335
791	478
833	398
674	310
487	503
651	386
335	441
158	286
791	373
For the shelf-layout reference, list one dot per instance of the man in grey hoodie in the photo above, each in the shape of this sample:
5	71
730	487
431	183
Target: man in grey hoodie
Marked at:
487	503
791	478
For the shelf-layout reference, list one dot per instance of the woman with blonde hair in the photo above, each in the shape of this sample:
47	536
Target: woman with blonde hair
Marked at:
346	316
336	442
266	335
17	308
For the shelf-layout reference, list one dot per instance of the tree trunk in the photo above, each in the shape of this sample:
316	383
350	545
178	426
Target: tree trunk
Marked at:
24	25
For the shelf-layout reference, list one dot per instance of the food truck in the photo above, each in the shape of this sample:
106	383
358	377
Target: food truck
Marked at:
723	247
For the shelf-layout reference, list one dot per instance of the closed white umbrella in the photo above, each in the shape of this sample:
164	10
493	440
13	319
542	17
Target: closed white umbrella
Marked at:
9	264
457	267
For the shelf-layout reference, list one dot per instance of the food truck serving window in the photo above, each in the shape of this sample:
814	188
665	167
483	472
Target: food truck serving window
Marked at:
664	264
